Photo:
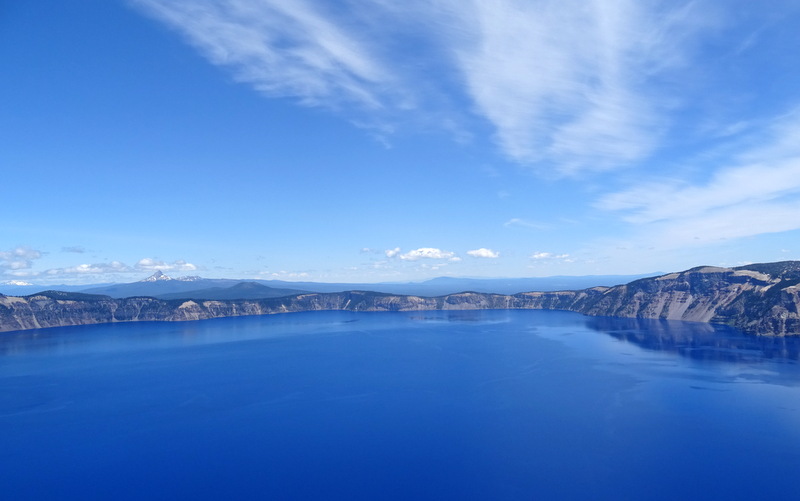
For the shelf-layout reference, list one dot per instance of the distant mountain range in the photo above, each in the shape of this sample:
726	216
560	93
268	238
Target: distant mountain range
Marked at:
159	276
762	299
162	286
241	290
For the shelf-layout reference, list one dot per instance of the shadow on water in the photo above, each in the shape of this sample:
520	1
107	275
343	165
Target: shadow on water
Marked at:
696	340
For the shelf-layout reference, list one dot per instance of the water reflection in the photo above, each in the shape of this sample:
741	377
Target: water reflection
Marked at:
100	338
91	338
696	340
146	335
458	316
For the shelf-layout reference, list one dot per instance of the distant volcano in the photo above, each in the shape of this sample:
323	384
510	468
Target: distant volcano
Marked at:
158	276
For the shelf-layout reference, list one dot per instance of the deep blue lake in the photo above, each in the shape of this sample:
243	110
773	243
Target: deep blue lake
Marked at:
425	405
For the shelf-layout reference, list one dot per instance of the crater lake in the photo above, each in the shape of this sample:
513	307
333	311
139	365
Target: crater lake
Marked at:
423	405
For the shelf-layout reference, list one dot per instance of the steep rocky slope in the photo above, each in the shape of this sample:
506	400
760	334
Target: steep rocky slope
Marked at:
762	299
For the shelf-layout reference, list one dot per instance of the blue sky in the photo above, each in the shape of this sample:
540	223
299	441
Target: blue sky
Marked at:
386	141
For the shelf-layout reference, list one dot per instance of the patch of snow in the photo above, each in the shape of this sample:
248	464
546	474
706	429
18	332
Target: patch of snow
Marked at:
16	282
158	276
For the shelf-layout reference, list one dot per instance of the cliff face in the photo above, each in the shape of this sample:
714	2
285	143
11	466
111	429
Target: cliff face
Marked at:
760	299
54	308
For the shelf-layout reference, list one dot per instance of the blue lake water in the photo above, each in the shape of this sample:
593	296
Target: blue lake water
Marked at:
430	405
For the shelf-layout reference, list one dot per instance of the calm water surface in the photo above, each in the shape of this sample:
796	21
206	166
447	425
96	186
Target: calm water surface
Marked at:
432	405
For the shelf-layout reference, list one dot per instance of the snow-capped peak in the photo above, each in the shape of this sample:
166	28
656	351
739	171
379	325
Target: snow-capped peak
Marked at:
16	282
158	276
192	278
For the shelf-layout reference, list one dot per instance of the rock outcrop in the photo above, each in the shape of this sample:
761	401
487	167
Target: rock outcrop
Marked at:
761	299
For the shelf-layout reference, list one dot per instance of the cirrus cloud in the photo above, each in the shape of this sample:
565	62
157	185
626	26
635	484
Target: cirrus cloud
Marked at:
295	49
567	82
755	192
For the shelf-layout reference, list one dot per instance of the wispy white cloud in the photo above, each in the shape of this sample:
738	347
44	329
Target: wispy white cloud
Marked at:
91	269
549	256
75	249
105	269
548	81
293	48
17	259
21	273
288	275
392	252
149	264
561	82
524	223
428	253
483	253
435	267
571	83
757	192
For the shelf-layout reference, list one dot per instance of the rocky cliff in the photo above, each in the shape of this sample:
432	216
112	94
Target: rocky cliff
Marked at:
762	299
